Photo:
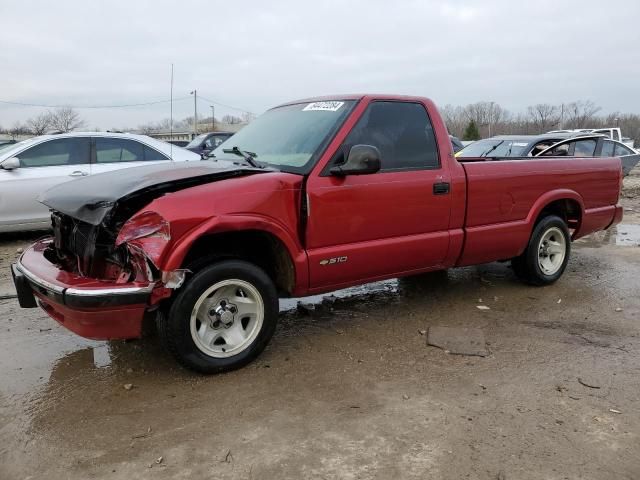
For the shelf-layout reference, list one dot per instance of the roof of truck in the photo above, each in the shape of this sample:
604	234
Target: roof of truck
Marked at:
357	96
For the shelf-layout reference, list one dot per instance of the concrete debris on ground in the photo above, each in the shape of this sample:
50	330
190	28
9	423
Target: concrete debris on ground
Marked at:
329	299
304	307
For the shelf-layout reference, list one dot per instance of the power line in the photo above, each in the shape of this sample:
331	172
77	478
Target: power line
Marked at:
125	105
227	106
25	104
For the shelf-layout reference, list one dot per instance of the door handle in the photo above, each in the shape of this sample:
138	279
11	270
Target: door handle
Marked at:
78	173
441	188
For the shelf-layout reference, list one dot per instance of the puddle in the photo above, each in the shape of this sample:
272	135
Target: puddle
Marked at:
386	286
622	235
31	345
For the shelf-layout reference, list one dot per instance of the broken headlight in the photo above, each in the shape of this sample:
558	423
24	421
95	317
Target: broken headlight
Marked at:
147	232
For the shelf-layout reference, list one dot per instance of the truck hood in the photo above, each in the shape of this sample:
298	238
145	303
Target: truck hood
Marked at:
91	199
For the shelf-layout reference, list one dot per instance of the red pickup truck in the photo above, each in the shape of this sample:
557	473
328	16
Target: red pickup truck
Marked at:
313	196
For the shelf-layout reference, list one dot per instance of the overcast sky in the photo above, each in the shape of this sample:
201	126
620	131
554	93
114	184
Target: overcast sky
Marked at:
254	55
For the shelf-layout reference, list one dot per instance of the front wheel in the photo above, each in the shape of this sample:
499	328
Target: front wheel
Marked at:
546	256
222	318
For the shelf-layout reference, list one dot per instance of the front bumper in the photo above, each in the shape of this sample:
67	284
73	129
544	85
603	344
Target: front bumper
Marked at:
91	308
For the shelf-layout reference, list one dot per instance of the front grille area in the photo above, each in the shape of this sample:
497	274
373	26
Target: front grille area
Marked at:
86	249
74	241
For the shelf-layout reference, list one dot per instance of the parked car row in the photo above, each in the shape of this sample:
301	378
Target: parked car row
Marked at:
614	133
559	144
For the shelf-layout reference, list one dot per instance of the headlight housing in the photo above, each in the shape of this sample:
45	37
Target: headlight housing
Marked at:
147	232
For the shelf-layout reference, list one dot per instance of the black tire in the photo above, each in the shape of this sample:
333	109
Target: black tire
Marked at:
527	266
174	327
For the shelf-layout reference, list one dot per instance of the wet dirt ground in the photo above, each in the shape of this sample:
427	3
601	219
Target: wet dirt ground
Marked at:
350	389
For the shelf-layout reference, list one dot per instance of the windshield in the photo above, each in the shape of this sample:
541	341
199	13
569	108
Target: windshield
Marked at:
197	141
492	147
288	137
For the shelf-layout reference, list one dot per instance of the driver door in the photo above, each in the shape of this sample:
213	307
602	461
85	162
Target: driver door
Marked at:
368	227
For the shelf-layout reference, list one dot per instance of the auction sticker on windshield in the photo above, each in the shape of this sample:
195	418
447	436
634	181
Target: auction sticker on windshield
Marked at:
323	106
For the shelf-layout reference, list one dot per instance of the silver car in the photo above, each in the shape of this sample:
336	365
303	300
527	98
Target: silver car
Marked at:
32	166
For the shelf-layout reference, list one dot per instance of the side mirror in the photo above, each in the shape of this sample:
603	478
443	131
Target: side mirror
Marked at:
10	163
362	160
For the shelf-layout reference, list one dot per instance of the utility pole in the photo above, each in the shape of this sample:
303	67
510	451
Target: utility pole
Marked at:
195	112
213	118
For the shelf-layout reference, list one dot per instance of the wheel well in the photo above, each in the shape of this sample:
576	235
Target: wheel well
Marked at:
567	209
258	247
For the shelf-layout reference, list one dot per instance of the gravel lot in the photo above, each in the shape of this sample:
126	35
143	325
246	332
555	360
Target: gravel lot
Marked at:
351	390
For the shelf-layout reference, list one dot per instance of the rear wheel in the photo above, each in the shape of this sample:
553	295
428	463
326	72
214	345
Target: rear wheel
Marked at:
222	318
547	253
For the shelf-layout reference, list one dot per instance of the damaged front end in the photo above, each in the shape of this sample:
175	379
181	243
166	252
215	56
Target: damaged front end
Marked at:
99	281
101	272
118	252
105	233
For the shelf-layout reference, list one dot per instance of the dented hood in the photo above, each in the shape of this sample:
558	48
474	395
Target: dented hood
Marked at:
91	199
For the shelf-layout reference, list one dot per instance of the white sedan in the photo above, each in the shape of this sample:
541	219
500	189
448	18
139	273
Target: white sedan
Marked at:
32	166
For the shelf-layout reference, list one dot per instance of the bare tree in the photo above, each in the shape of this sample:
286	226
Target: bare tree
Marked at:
579	114
497	116
65	119
17	129
248	117
485	114
147	128
231	119
454	119
39	124
544	116
184	124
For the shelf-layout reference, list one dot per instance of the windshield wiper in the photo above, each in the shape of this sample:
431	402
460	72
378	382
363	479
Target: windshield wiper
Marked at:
248	157
486	154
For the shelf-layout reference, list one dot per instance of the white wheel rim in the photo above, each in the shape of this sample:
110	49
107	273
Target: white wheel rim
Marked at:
227	318
551	251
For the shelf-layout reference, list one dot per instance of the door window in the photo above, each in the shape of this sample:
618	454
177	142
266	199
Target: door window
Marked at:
584	148
58	152
111	150
621	150
152	155
401	131
214	141
607	149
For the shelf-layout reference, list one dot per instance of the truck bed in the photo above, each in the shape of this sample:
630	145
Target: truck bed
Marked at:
504	194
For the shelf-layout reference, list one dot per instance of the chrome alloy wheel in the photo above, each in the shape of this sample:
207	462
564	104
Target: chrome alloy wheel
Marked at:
551	251
227	318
